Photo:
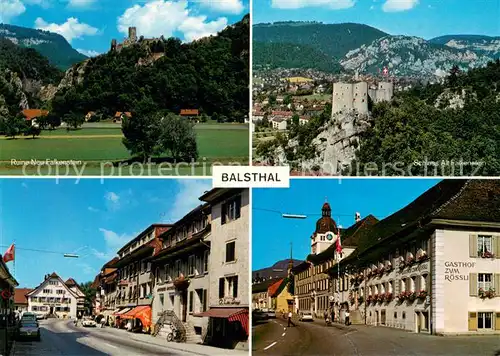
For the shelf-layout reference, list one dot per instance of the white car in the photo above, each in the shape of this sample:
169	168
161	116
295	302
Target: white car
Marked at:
306	316
89	323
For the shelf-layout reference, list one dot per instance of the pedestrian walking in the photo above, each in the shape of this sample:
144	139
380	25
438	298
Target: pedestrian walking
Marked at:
290	319
347	322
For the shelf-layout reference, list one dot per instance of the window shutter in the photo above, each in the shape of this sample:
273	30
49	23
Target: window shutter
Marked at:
473	284
238	207
496	285
497	240
472	321
223	213
221	287
497	320
418	283
235	287
473	245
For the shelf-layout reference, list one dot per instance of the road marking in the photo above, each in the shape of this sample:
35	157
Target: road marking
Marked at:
283	334
113	346
284	328
274	343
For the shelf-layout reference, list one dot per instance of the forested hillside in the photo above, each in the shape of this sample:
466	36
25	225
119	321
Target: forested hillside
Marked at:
210	74
414	128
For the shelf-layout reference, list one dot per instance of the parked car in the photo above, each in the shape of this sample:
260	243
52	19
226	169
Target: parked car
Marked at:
41	316
306	316
88	322
28	329
259	315
29	316
271	314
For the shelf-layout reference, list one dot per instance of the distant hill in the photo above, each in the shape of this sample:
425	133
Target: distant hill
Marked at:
350	46
278	270
286	55
51	45
334	40
481	44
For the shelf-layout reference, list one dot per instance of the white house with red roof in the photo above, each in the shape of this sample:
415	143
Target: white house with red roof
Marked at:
54	297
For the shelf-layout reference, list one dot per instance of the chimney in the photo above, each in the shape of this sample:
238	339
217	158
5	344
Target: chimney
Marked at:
357	217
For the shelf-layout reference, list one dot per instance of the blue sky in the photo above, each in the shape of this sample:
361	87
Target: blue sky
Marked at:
89	218
89	25
422	18
272	234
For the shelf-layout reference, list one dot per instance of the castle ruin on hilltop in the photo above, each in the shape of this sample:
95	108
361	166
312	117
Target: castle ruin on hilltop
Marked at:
354	96
132	39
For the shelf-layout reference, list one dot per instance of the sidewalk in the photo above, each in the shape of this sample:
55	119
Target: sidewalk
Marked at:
184	347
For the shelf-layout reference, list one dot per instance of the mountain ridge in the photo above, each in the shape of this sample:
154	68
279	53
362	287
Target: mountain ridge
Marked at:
49	44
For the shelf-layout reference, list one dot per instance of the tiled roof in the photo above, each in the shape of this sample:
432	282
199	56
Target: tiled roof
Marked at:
20	295
30	114
71	282
189	112
451	199
348	237
273	288
263	286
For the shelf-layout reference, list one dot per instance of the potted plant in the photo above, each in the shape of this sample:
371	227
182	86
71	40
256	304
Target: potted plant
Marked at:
381	298
422	294
483	294
388	297
388	268
402	265
402	296
369	299
423	257
412	296
487	254
410	260
361	299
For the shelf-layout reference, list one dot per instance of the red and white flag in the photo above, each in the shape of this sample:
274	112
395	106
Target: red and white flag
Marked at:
9	255
338	244
385	71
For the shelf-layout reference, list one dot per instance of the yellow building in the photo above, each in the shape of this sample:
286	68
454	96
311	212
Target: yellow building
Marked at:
281	299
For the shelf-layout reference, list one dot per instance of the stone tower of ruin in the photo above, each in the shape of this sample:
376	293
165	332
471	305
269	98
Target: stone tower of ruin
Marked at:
132	34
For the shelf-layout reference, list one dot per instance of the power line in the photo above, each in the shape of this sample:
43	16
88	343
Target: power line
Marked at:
36	250
281	212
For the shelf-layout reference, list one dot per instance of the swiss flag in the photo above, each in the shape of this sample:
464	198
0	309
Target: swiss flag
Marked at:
338	244
385	71
9	254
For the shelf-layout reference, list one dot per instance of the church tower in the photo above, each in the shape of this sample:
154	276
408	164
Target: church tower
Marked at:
326	231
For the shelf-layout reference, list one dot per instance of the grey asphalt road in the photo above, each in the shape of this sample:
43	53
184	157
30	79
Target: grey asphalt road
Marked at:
314	338
60	337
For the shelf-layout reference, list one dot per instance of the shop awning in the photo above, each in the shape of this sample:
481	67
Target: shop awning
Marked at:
231	314
123	311
143	313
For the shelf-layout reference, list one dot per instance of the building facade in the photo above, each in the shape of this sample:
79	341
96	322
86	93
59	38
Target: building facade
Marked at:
229	266
53	297
182	270
439	272
20	299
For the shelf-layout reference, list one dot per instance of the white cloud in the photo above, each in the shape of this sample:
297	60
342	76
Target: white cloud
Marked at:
113	242
70	30
164	17
43	3
112	201
80	3
88	52
399	5
298	4
196	27
186	199
223	6
10	9
92	209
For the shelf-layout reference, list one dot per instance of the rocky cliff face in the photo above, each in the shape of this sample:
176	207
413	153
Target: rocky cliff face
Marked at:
13	93
335	145
72	77
411	56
